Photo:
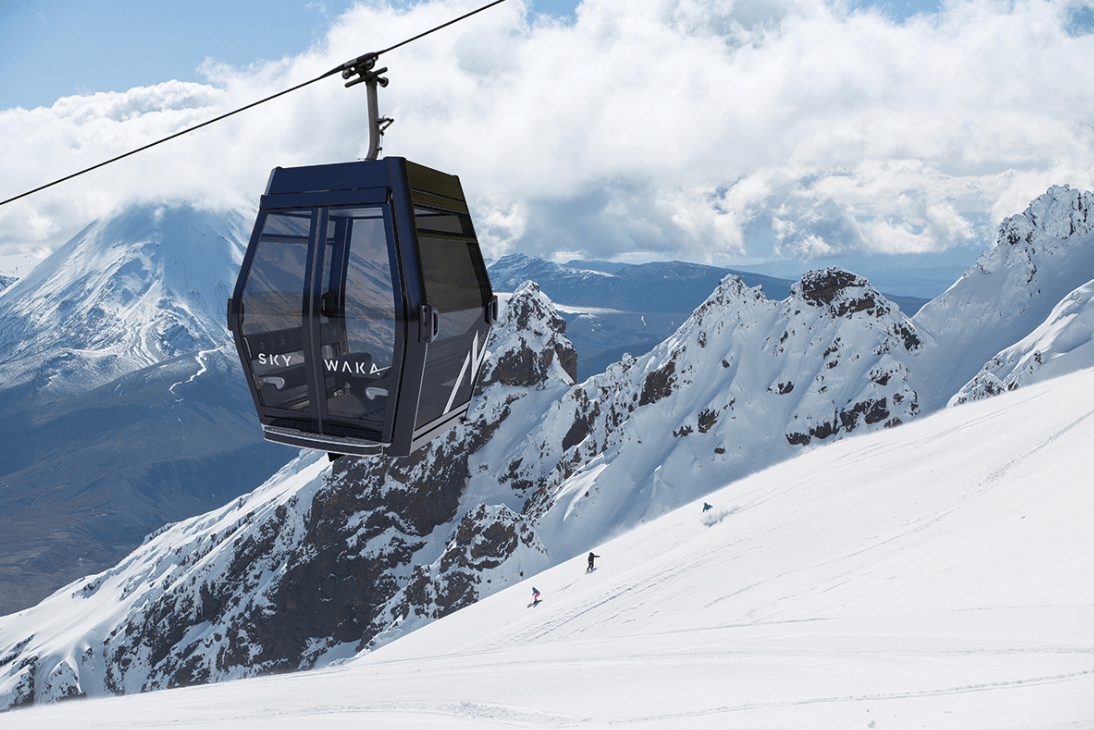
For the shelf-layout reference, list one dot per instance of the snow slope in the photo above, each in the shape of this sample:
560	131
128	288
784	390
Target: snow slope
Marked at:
935	575
372	549
1062	344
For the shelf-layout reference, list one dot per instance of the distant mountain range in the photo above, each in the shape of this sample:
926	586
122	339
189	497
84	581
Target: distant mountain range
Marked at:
325	560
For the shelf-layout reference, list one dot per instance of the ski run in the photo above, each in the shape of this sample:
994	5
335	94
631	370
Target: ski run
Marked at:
935	575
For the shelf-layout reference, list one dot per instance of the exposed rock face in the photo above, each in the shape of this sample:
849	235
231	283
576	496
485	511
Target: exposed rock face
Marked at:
842	294
521	365
984	385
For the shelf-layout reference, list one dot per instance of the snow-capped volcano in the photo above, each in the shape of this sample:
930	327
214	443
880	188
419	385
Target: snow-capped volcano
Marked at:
125	293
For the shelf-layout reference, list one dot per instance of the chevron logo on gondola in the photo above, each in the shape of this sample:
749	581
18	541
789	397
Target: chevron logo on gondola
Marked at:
471	362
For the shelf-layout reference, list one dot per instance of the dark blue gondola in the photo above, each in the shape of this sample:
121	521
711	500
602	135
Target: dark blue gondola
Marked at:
363	307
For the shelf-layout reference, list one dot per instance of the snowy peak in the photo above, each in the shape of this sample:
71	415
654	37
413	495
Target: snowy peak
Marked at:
1039	257
1055	220
839	292
1059	214
125	293
528	345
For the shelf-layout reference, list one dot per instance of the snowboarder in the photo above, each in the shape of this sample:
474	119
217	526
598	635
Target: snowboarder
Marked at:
591	559
535	596
706	506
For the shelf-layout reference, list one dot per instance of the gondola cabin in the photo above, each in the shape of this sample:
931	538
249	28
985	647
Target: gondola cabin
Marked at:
362	308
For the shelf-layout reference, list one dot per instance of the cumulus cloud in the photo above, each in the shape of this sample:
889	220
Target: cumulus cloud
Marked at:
698	129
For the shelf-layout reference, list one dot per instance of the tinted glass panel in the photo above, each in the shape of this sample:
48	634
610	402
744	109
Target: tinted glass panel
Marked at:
272	321
455	277
456	285
443	221
357	320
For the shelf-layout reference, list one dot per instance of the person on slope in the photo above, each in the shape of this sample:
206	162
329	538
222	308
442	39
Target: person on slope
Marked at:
535	595
707	506
592	557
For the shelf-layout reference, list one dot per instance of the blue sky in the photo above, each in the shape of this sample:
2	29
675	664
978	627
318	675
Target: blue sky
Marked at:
55	48
721	131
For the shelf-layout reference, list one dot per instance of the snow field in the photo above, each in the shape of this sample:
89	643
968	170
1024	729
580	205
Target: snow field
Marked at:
934	575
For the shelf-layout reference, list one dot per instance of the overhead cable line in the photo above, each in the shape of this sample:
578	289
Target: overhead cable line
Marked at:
345	67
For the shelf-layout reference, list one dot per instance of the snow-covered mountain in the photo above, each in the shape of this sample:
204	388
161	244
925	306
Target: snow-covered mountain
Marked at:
122	405
125	293
934	575
742	384
1038	259
327	560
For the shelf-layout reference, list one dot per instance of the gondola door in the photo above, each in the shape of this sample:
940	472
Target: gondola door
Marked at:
320	334
457	295
272	321
356	323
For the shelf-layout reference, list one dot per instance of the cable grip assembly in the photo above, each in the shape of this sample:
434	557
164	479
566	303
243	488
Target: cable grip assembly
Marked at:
363	69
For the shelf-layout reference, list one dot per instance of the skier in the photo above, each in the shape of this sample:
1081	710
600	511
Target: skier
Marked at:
591	559
535	595
706	506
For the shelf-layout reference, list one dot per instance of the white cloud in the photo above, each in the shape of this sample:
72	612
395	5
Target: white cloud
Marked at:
701	129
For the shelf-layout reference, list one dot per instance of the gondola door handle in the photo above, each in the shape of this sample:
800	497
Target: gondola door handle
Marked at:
430	322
